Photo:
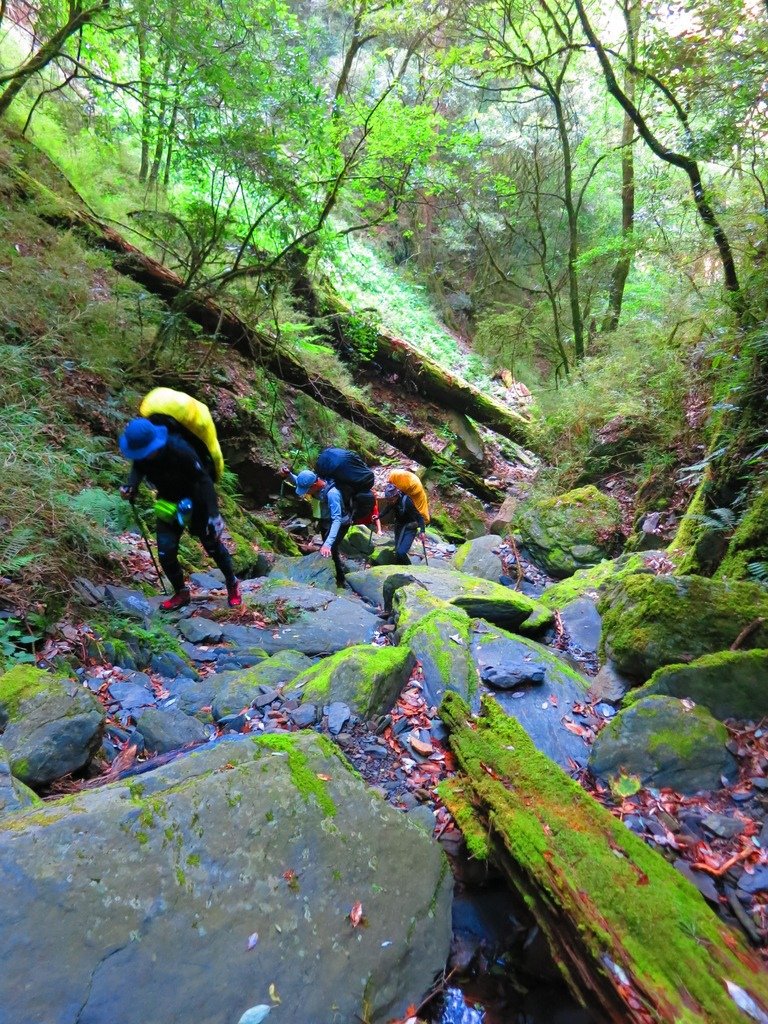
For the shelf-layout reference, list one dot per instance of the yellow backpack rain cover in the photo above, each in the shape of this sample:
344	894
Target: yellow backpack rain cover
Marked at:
410	484
190	414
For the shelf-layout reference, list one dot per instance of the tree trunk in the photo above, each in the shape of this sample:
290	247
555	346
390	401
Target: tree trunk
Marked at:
624	262
634	939
394	355
256	345
47	52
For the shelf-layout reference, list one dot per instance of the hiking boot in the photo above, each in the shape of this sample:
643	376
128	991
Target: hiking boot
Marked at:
234	596
179	600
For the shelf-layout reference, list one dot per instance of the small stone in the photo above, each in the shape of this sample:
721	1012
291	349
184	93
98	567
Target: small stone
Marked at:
200	631
304	716
338	716
233	723
169	665
131	602
703	882
264	699
722	826
756	882
759	782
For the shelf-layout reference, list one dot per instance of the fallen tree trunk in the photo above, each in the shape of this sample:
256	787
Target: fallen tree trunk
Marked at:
634	939
428	378
224	324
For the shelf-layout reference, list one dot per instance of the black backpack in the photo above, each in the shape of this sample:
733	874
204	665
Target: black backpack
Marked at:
162	419
351	477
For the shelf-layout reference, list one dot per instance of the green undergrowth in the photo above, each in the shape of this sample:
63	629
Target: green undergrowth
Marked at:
640	376
572	853
367	279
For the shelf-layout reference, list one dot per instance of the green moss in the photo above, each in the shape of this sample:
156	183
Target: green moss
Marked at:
731	684
363	676
21	684
749	543
303	777
19	767
650	621
453	794
430	640
568	851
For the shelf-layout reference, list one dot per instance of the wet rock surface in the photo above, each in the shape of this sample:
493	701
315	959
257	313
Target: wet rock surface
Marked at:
254	893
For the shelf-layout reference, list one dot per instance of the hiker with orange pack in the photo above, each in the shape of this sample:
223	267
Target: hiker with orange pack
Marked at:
408	508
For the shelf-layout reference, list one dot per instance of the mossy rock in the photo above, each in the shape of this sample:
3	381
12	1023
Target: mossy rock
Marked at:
441	643
309	569
14	795
749	543
479	598
461	521
366	678
525	676
285	833
663	743
730	684
412	603
360	542
598	578
572	531
651	621
233	691
52	725
480	557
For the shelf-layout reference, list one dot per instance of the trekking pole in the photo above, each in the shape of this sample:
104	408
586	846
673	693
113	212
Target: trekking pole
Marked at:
424	549
143	532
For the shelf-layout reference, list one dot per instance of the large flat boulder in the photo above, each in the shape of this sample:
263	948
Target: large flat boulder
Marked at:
571	531
664	743
479	598
534	686
730	684
339	623
367	679
650	621
51	726
308	569
193	892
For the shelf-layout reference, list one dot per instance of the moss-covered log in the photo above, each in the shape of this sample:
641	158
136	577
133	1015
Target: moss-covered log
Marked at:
634	939
232	330
395	355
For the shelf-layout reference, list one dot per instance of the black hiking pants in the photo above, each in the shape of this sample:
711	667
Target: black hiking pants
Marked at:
168	537
405	534
325	529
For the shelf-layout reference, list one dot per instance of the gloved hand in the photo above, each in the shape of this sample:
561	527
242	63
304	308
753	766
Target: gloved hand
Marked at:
216	526
127	492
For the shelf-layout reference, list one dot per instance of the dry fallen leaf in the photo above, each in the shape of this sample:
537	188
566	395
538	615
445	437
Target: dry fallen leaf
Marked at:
324	778
252	940
273	993
356	914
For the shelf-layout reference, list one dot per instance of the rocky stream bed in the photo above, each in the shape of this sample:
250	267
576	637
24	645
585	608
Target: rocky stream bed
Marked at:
242	807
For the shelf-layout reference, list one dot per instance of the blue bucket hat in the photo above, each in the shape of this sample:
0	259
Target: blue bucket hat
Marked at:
304	481
141	438
390	492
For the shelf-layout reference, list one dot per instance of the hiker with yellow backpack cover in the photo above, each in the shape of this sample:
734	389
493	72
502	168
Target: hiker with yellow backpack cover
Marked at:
173	446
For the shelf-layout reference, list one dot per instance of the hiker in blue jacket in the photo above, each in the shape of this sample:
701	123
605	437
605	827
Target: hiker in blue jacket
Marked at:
335	520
